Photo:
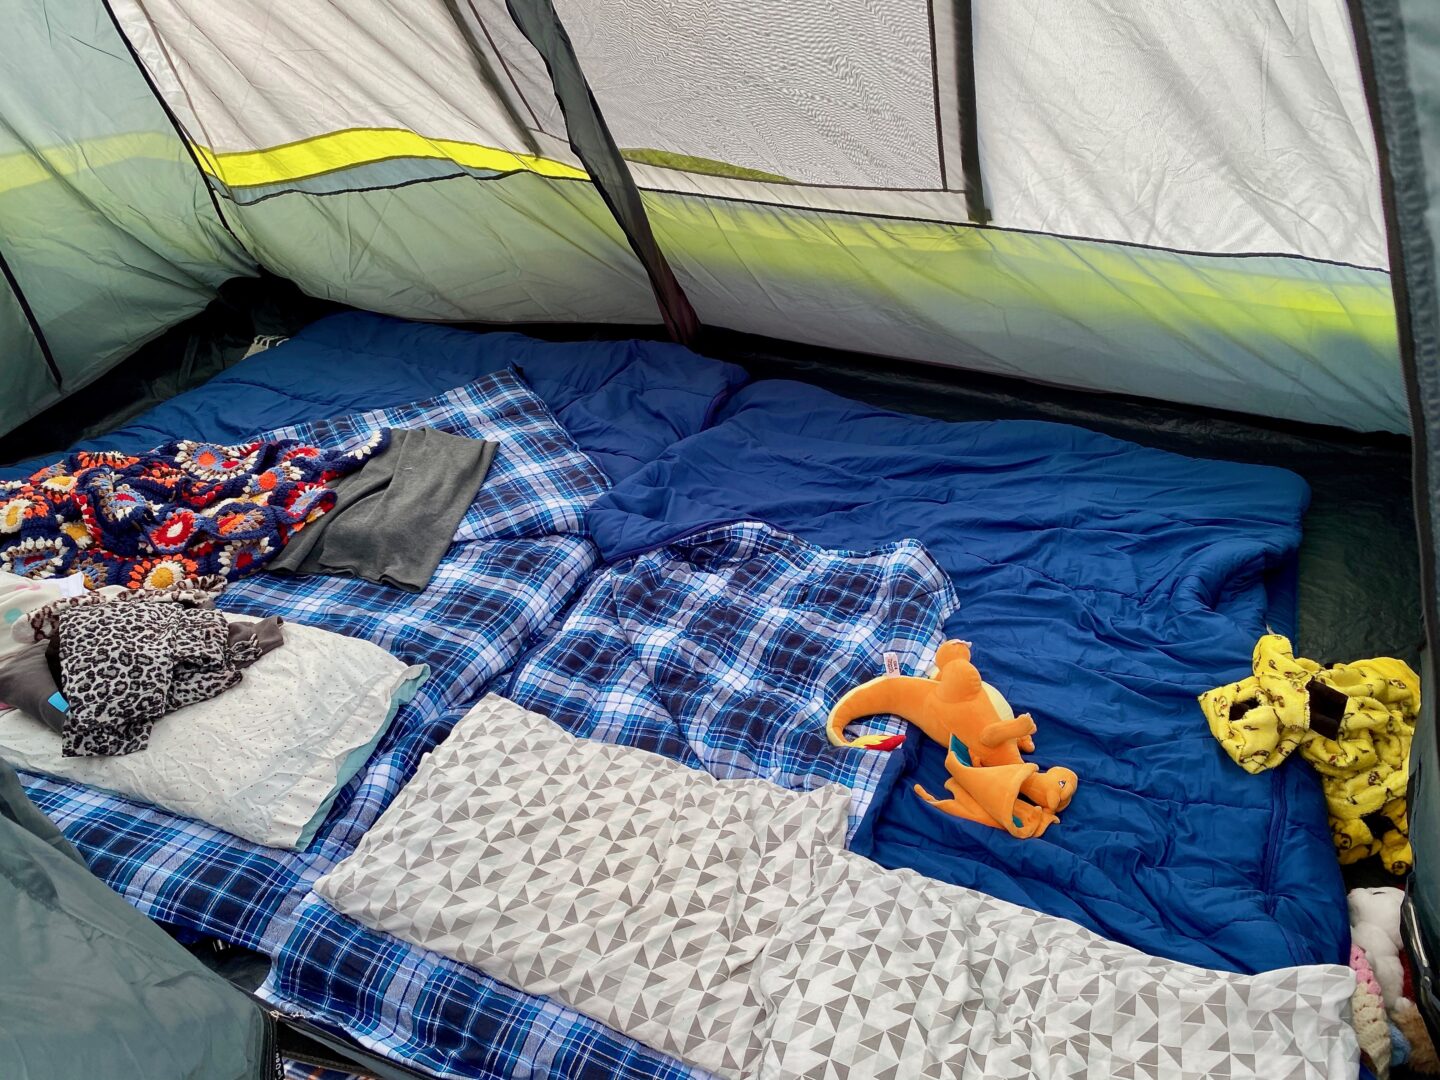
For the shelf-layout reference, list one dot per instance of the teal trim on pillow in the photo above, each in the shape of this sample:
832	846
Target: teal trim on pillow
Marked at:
356	759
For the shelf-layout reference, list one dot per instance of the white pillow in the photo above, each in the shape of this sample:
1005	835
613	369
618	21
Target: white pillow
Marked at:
265	759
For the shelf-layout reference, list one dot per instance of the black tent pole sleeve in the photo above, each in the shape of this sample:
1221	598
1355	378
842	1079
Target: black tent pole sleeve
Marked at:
975	206
174	121
29	313
592	142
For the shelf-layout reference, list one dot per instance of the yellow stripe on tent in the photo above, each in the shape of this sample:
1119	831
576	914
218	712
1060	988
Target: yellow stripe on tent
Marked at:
338	150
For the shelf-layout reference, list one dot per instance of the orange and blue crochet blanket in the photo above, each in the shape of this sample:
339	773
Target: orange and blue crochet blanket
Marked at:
182	510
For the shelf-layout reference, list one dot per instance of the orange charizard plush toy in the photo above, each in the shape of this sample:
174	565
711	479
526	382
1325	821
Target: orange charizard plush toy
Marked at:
981	733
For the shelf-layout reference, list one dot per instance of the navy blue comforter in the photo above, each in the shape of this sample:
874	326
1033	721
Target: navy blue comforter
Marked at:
1104	586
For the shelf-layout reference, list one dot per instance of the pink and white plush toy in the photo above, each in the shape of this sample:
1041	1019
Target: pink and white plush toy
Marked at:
1375	927
1375	932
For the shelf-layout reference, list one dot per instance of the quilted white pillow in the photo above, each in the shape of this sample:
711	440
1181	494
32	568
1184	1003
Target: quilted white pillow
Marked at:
263	760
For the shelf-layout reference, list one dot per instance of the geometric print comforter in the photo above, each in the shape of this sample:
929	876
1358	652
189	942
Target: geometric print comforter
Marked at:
719	651
723	922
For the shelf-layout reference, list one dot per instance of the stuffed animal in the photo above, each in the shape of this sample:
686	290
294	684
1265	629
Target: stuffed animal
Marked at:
1423	1059
1375	932
990	782
1375	927
1367	1014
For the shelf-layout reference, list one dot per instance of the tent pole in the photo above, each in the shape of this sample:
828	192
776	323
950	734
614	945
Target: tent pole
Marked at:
975	206
592	142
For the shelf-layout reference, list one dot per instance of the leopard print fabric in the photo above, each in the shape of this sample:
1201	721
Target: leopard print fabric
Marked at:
125	665
44	622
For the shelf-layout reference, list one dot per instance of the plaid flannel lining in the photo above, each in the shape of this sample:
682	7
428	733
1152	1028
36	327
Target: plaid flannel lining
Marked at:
723	651
514	564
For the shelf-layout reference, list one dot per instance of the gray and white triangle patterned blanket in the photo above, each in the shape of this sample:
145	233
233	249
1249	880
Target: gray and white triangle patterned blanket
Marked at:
723	922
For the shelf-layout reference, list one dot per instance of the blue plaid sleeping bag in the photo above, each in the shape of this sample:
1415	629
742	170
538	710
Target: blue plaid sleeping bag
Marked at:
724	651
517	558
721	650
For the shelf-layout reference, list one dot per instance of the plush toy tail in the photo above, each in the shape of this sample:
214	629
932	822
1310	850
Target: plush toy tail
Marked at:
873	698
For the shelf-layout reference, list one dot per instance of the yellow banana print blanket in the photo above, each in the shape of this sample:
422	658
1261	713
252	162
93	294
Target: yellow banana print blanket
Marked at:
1352	722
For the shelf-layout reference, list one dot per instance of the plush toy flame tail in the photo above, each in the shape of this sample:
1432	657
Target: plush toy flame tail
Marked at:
886	694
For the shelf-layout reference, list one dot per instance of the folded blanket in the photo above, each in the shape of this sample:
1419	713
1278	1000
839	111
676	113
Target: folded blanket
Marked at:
394	519
184	509
723	922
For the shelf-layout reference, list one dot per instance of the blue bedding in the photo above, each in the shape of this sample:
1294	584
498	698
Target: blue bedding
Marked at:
627	401
515	561
510	572
1104	585
623	402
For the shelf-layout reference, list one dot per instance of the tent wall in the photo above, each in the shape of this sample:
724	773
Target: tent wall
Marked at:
1185	200
89	987
1184	197
109	229
1277	336
1224	128
364	153
1404	40
26	374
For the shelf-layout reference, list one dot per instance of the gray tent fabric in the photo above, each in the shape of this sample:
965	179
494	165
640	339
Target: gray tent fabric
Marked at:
90	987
109	231
1403	37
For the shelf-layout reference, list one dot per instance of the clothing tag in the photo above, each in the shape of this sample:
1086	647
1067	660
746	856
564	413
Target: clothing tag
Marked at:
892	663
73	585
58	702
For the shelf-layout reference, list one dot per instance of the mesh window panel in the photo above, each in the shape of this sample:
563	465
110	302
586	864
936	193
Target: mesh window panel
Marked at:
838	94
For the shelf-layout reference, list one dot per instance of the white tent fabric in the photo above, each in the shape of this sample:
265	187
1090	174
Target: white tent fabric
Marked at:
315	100
1218	128
251	75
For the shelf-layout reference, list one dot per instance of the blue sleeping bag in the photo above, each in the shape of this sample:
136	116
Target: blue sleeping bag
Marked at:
622	401
1104	586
